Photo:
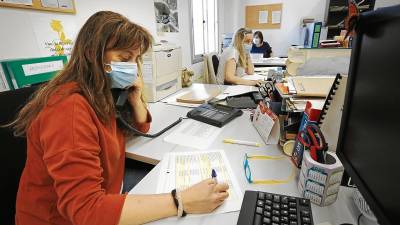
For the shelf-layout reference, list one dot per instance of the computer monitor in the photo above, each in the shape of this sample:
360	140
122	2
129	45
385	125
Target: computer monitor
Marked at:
369	139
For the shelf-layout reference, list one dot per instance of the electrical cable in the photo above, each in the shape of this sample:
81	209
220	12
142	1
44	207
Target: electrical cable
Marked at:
358	219
134	130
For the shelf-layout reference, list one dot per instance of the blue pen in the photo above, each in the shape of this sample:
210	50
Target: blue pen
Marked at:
214	175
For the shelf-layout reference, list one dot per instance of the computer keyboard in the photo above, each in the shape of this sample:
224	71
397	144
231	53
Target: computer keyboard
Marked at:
259	208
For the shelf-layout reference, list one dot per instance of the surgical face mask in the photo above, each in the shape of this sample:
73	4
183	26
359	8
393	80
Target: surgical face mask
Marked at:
123	74
256	41
247	47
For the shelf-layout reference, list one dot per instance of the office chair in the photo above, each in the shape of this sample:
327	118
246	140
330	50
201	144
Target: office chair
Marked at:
13	151
215	62
212	62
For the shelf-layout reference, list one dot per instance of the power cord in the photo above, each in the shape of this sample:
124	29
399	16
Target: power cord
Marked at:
359	217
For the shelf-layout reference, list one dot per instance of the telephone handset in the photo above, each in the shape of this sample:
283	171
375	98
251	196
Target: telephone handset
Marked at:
120	103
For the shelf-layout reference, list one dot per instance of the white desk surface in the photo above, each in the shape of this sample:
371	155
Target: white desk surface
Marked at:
152	150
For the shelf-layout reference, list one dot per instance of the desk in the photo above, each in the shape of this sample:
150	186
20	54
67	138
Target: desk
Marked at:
152	150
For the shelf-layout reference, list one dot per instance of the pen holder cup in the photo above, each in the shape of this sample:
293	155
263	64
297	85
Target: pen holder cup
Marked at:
320	182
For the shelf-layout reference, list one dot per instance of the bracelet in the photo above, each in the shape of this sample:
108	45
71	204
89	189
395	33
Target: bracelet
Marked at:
181	212
178	203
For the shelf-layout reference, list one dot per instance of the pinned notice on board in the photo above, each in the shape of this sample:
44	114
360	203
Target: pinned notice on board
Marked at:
263	17
276	17
20	2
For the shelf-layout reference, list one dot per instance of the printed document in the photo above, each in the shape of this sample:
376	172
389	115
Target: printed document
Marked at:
180	170
194	134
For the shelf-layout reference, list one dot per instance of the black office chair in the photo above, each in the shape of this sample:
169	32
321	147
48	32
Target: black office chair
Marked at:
13	151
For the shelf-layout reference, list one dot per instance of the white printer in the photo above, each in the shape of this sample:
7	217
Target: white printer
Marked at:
162	71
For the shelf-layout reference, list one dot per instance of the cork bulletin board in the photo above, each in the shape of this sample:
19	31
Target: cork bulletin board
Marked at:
264	16
61	6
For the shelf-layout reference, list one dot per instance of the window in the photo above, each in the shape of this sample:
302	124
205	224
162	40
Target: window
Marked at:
204	28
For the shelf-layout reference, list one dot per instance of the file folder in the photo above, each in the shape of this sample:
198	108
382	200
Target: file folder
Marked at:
25	72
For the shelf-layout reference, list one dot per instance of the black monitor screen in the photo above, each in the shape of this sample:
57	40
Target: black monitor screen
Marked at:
369	141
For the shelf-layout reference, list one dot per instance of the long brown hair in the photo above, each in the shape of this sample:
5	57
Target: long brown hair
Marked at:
103	31
238	44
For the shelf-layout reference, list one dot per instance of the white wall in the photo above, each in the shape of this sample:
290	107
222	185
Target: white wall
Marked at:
18	38
293	11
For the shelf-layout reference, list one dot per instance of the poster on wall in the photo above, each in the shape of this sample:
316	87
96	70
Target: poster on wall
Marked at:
54	36
166	15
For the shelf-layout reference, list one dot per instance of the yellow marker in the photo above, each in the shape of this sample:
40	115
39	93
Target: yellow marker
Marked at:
239	142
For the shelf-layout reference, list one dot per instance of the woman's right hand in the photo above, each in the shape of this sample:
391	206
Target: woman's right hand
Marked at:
256	83
204	196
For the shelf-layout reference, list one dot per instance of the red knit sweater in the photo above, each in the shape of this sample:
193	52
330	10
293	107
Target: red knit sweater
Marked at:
74	167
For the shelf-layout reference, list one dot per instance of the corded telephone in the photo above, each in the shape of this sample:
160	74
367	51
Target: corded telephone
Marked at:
121	97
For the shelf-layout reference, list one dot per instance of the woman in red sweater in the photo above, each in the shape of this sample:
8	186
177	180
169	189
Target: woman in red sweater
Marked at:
76	151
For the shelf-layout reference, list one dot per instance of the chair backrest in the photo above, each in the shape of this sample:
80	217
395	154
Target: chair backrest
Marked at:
212	62
13	151
215	62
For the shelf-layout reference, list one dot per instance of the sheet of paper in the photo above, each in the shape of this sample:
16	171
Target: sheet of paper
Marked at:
276	17
55	35
255	77
50	3
256	56
263	17
20	2
239	89
180	170
43	67
267	68
194	134
65	4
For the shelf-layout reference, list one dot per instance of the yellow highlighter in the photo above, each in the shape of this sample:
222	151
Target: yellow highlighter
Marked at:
239	142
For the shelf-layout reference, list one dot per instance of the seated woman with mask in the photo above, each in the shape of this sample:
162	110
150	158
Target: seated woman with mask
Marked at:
260	46
235	61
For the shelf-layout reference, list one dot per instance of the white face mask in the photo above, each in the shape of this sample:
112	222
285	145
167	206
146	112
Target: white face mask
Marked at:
248	47
256	41
123	74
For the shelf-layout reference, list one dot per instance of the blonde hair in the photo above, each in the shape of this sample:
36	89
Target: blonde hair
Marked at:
238	45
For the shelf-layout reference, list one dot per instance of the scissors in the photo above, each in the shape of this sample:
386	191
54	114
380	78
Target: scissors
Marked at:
267	89
312	138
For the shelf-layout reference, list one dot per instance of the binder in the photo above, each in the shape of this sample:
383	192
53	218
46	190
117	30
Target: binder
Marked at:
5	84
25	72
331	114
